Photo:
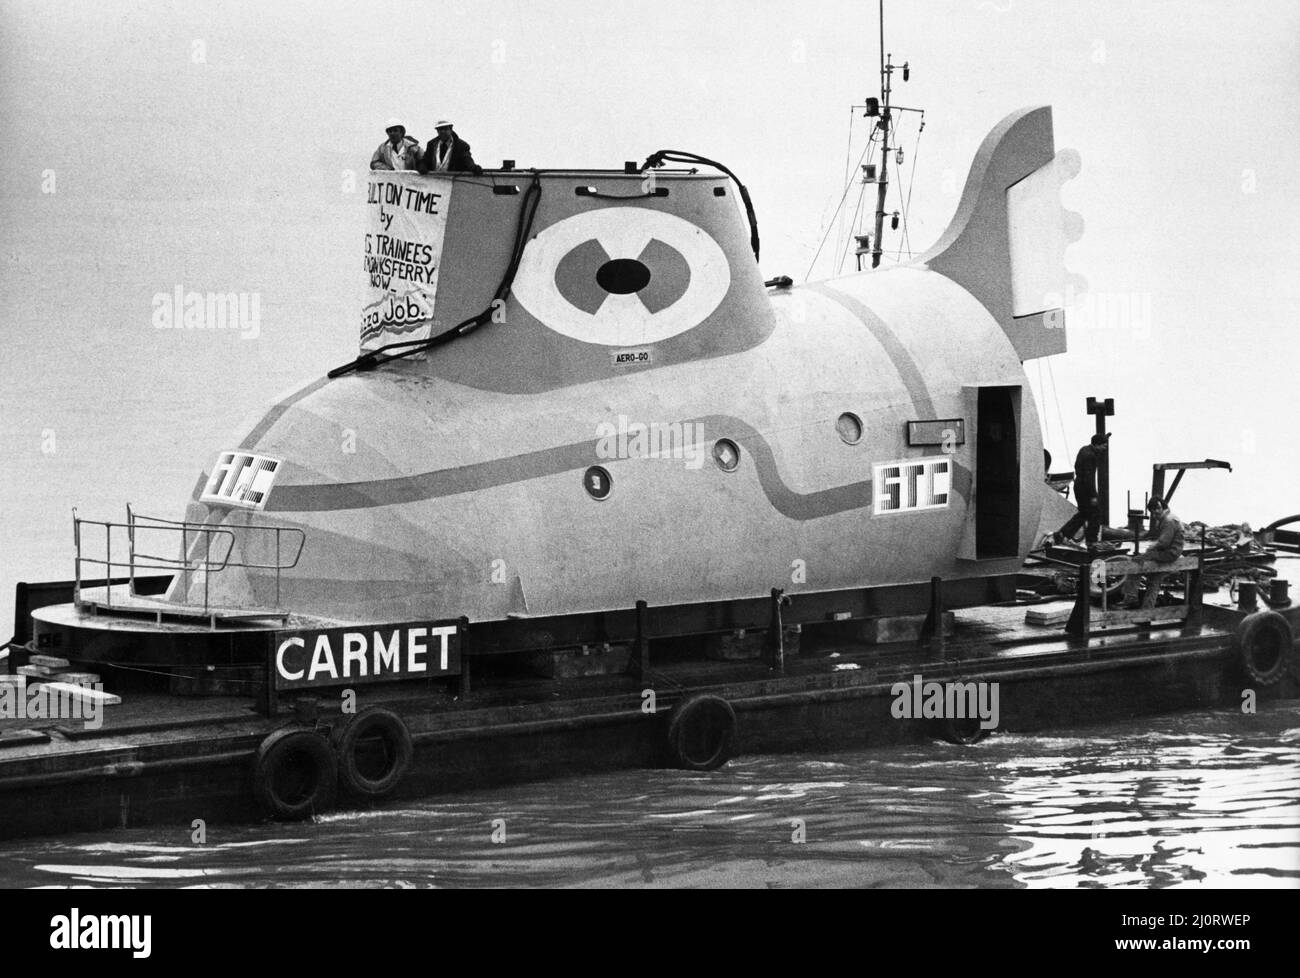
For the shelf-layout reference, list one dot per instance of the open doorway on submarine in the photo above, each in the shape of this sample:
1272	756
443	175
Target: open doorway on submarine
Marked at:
997	474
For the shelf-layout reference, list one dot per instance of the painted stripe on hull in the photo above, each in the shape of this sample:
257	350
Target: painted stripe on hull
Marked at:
432	485
570	458
908	369
277	412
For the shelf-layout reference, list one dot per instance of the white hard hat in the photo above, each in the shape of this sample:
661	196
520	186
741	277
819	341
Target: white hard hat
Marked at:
394	123
442	122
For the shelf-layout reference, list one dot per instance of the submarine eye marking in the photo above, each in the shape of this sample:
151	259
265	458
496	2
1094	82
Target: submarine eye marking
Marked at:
622	276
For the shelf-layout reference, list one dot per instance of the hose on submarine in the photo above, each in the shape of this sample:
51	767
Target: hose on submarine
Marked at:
679	156
393	351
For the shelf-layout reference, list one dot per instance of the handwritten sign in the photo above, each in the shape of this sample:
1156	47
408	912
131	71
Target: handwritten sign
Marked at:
407	222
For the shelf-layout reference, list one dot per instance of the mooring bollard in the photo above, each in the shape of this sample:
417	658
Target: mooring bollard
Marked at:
931	634
1080	623
1247	596
642	658
776	636
1277	592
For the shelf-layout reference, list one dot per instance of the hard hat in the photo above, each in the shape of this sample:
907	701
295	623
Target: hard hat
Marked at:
394	123
441	123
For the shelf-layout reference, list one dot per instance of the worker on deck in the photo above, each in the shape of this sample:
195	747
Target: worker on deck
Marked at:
1167	531
1085	493
448	153
398	152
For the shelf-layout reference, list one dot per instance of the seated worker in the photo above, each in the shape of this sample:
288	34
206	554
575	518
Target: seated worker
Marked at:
1167	532
398	152
448	153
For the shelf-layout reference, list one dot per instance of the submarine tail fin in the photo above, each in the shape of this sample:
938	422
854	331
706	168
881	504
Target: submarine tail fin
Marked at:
1006	243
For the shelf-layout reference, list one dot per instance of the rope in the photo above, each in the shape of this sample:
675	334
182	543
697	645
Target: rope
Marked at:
848	165
1042	394
181	675
911	182
658	157
1056	399
854	224
844	196
406	348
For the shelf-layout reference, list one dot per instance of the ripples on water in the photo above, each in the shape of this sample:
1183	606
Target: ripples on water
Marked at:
1201	799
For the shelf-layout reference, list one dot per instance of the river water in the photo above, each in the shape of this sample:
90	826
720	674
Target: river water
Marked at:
1194	799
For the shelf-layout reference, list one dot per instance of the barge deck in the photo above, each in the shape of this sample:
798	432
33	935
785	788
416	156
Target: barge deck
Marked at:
159	758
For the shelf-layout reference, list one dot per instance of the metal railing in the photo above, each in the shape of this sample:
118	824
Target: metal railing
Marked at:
197	536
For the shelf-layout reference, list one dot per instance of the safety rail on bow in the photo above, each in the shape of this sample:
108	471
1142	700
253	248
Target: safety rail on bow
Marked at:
203	550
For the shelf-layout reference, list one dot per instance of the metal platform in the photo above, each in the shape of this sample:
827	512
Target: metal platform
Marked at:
119	600
192	562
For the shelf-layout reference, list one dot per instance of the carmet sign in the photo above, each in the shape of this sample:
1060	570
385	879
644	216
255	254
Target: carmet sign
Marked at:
365	654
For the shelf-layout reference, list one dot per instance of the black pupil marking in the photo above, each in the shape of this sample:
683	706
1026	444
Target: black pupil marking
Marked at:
623	276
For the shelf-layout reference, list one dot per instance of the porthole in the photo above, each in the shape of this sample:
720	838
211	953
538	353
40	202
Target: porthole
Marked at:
597	482
726	454
849	427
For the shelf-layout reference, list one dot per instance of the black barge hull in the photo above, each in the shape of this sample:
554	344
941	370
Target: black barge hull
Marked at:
172	760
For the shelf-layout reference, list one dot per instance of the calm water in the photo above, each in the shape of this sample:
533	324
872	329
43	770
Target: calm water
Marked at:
1193	799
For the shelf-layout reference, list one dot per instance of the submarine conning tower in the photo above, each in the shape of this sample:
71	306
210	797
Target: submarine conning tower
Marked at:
619	272
596	274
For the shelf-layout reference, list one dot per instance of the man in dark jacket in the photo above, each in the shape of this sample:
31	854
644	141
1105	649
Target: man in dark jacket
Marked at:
1085	493
448	153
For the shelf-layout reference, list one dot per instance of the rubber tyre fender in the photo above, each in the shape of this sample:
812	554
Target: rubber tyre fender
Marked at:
960	730
701	718
1265	647
295	774
399	747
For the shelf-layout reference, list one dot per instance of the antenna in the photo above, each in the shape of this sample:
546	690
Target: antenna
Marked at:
882	110
877	173
882	185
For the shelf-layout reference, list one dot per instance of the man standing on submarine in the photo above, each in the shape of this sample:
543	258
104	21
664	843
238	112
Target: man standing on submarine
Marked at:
398	152
1085	493
448	153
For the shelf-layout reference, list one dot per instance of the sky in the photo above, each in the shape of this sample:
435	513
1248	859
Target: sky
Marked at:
223	147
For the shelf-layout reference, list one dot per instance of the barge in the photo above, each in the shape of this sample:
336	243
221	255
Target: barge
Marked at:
162	757
594	494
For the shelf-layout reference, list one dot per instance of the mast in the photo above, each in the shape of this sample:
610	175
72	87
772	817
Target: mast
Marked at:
882	183
873	244
882	109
